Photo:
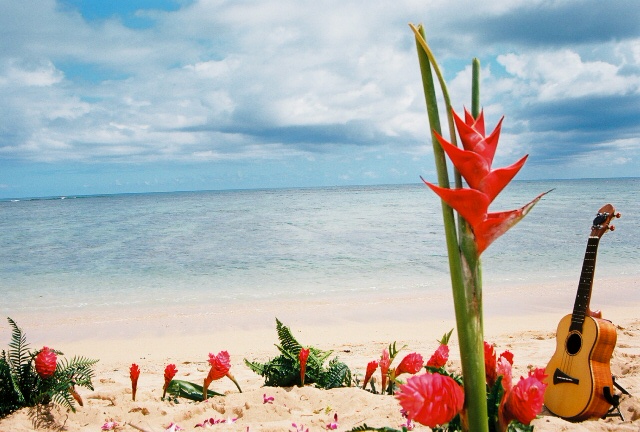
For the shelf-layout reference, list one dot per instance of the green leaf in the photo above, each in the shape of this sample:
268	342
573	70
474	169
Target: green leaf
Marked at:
189	390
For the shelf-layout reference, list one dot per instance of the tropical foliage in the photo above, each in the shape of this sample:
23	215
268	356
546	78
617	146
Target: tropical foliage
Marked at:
30	378
284	370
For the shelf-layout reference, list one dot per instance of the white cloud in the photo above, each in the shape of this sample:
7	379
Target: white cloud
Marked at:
563	74
227	80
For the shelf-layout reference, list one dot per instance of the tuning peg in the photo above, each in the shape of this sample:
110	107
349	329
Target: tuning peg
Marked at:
612	228
617	215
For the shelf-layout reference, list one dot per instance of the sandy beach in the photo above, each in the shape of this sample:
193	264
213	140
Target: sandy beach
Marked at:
355	331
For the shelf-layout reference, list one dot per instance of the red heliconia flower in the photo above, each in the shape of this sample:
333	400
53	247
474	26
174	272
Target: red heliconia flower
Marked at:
303	355
385	363
46	362
524	402
439	357
134	374
411	363
431	399
169	372
474	164
371	368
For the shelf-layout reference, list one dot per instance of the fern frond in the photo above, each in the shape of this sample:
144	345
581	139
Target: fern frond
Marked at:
9	398
64	398
77	371
319	356
18	353
281	372
337	375
255	367
287	341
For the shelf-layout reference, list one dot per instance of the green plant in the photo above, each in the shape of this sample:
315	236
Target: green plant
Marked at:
284	370
22	386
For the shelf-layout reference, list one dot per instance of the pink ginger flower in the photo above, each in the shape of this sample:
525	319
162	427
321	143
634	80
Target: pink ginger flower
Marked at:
440	357
524	402
431	399
220	365
503	369
411	363
491	363
46	363
385	363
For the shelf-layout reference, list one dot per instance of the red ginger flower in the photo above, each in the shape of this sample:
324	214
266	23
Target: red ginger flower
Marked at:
46	362
411	363
303	355
169	372
220	365
524	402
439	357
474	164
431	399
134	374
371	368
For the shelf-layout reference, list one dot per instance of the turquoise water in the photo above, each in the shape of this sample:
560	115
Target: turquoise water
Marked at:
227	246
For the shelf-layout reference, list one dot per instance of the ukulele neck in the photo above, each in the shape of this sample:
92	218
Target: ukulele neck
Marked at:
583	298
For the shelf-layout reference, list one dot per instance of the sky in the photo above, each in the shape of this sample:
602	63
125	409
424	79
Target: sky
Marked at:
126	96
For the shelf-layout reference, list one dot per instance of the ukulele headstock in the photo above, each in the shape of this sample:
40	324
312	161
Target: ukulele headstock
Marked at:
602	221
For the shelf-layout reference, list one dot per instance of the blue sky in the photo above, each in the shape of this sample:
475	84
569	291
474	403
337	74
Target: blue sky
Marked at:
160	95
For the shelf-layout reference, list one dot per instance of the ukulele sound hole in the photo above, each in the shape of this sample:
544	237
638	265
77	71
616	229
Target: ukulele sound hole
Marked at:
574	343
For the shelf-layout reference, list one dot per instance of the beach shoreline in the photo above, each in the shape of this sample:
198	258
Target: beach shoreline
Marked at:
355	331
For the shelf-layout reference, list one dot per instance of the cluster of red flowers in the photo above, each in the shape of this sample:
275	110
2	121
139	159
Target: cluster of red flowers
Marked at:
220	365
411	364
474	164
434	399
522	402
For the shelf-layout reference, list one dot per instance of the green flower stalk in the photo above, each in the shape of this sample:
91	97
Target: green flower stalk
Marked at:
476	228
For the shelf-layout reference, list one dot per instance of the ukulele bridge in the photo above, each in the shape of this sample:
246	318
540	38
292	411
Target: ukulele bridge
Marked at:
560	377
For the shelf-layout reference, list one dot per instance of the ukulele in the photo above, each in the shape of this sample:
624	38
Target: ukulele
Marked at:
579	381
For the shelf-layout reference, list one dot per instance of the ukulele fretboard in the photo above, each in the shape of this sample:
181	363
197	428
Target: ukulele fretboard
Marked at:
583	298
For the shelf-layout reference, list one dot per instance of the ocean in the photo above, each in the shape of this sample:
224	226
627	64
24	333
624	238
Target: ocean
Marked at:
222	247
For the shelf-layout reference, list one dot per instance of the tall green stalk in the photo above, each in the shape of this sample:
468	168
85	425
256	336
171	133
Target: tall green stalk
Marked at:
464	263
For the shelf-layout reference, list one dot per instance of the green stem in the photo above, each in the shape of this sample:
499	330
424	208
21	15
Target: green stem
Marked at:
465	275
475	88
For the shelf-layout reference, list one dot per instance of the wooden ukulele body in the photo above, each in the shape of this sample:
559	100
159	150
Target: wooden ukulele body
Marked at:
579	371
